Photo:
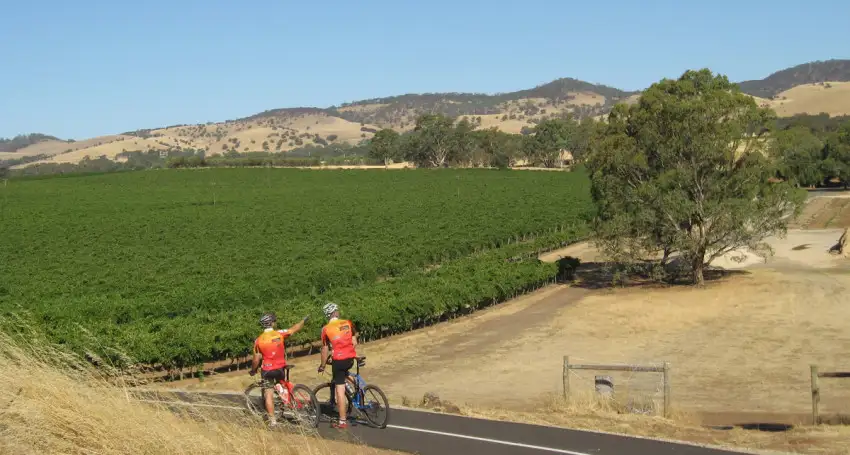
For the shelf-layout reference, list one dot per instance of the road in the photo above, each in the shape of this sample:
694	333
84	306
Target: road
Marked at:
428	433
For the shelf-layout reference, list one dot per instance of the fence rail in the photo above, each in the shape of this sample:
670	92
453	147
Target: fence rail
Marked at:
816	374
664	369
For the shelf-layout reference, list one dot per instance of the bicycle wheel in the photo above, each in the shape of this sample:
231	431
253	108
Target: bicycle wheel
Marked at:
327	407
375	406
254	399
304	406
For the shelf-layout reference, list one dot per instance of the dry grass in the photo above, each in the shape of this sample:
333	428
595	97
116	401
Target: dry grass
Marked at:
825	213
814	99
50	402
810	98
742	344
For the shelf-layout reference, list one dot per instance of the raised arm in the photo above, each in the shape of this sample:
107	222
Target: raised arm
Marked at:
298	326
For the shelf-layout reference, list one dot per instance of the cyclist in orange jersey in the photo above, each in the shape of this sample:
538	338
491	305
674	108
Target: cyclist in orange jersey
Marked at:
340	335
270	347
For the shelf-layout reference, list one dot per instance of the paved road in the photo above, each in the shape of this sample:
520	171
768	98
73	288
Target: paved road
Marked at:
427	433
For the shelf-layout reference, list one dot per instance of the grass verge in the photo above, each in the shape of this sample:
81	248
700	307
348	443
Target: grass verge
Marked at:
53	402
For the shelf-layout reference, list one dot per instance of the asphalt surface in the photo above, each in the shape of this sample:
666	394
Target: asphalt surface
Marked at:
428	433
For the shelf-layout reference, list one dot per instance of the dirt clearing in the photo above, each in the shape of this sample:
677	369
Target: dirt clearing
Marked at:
744	344
825	212
739	348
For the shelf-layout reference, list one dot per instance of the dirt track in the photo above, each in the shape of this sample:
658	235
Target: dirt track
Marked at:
743	344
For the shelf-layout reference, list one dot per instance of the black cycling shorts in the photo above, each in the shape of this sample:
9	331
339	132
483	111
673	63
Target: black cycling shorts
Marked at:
340	369
272	377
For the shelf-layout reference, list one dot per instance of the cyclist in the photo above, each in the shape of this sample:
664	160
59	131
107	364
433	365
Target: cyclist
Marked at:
339	334
270	347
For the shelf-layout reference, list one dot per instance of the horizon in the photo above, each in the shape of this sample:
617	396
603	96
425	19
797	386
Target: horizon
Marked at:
100	73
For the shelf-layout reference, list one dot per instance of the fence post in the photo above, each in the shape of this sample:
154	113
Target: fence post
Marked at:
567	378
815	395
667	398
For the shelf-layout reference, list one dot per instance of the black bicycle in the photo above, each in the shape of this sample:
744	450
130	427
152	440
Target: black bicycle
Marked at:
366	400
291	401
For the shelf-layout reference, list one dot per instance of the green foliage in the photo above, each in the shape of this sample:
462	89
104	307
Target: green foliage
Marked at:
817	123
567	267
499	149
549	139
798	152
385	145
174	267
434	144
813	151
836	162
681	173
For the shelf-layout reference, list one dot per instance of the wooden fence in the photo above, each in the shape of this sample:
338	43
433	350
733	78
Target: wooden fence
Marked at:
816	389
664	369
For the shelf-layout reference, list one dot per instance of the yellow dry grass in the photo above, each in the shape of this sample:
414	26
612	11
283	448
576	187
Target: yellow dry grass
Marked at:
363	107
508	126
51	402
810	98
324	125
52	147
744	344
831	97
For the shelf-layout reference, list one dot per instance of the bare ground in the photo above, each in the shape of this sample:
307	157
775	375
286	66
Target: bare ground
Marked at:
740	349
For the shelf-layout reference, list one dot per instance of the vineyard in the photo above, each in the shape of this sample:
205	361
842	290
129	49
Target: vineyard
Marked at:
173	267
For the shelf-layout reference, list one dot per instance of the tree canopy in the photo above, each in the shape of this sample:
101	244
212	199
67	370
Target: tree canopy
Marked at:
683	173
813	154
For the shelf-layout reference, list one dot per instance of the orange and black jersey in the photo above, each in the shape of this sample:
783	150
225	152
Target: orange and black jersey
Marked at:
340	334
270	344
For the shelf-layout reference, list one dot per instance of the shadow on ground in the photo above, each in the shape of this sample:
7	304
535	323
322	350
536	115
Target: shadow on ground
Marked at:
604	275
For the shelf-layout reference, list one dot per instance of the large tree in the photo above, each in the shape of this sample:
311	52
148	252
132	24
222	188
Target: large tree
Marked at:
435	141
385	145
683	172
798	152
549	139
498	147
837	155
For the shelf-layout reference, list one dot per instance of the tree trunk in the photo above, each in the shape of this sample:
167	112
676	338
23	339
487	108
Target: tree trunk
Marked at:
697	266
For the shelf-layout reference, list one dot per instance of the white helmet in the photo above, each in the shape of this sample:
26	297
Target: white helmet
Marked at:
329	309
268	320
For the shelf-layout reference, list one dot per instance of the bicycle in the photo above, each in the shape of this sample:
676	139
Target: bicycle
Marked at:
290	400
356	391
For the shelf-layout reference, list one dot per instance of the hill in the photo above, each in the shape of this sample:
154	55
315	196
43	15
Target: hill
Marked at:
819	72
811	88
559	96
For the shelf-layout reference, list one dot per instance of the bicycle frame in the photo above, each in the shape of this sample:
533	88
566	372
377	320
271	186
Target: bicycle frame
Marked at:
290	400
288	385
356	381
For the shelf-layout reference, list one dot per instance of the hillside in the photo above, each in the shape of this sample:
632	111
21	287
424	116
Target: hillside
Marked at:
559	96
807	73
811	88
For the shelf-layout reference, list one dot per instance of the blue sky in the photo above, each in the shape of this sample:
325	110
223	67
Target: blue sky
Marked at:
86	68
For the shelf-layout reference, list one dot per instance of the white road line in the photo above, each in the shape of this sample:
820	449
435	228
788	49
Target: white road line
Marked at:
399	427
494	441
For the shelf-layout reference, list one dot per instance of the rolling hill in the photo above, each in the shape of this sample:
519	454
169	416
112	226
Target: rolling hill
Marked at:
810	88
